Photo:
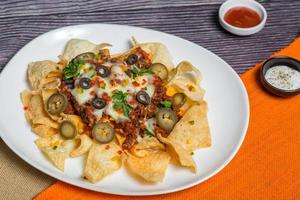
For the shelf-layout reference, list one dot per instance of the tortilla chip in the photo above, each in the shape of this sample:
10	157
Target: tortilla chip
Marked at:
38	71
183	156
56	149
43	130
152	167
25	98
37	112
186	78
103	159
85	143
192	131
75	47
191	71
146	146
158	53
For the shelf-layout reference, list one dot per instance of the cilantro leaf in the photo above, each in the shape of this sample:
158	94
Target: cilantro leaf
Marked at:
166	104
72	69
135	70
146	71
149	133
126	109
118	105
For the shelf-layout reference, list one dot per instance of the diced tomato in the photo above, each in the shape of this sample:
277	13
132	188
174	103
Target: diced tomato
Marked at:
156	81
92	93
93	82
135	84
106	97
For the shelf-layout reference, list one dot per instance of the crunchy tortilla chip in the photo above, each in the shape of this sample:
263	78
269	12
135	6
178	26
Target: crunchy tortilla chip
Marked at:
56	149
186	78
37	112
151	167
147	145
158	53
192	72
43	130
75	47
192	131
103	159
85	143
37	71
183	156
25	98
50	83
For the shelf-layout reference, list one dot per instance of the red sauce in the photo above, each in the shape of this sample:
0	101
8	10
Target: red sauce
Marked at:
242	17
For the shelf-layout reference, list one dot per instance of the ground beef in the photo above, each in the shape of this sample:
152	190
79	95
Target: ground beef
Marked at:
136	125
84	111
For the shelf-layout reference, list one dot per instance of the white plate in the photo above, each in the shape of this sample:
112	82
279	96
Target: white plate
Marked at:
225	93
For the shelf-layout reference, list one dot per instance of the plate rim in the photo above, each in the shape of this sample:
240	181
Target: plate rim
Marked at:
127	193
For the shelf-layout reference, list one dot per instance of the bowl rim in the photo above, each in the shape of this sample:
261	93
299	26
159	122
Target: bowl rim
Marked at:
249	29
264	68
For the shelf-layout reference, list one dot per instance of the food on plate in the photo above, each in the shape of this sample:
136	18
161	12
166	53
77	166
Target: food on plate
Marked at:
134	109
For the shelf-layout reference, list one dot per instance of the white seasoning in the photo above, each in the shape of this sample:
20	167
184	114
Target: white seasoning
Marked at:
283	77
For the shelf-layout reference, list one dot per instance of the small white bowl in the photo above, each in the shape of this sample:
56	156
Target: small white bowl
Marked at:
242	3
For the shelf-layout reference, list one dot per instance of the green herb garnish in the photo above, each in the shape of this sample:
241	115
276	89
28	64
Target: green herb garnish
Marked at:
54	147
149	133
192	122
192	153
135	70
72	69
165	104
120	102
145	71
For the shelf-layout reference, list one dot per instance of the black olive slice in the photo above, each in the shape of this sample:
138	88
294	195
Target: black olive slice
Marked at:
102	71
143	97
132	59
56	103
160	70
85	57
103	132
85	83
166	118
98	103
67	129
178	99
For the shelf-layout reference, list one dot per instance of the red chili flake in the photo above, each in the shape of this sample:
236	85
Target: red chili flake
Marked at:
120	152
107	147
144	81
135	84
25	108
92	93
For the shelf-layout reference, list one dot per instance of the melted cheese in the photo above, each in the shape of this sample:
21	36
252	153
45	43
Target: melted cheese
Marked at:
117	81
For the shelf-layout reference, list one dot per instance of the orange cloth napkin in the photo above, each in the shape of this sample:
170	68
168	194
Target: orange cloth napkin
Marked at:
266	167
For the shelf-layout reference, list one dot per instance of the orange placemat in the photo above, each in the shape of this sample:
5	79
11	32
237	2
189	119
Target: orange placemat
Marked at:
266	167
